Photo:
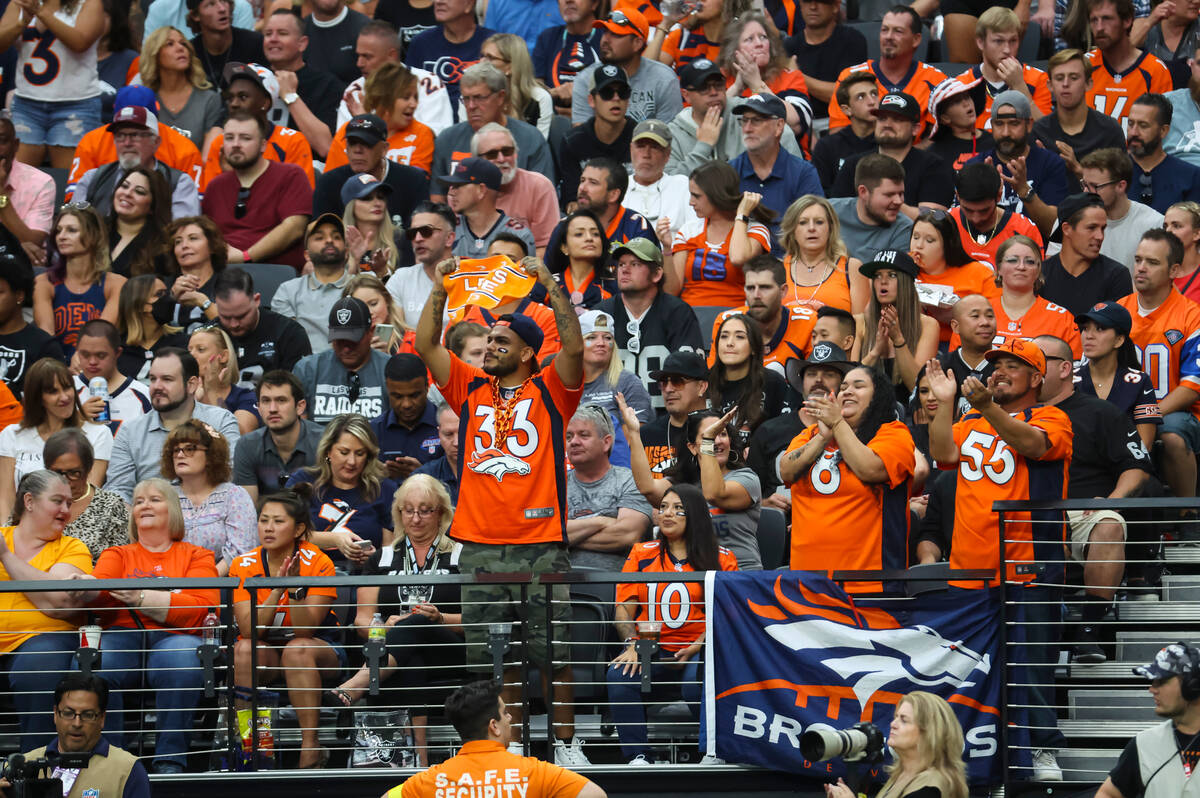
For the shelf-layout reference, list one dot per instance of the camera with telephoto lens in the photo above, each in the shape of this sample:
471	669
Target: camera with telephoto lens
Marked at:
26	777
862	742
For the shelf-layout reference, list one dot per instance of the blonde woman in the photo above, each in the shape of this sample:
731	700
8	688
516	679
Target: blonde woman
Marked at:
144	308
384	310
604	377
186	100
528	100
928	742
217	358
370	234
819	271
425	634
352	495
1183	219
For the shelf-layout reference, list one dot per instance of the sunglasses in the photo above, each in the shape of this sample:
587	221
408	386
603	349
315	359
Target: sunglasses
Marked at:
619	18
499	152
634	344
674	381
1147	185
424	231
243	196
609	92
77	205
355	386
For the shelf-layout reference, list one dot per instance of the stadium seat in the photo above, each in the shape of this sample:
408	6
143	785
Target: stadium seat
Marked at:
706	315
952	68
267	278
772	538
60	183
1030	45
870	31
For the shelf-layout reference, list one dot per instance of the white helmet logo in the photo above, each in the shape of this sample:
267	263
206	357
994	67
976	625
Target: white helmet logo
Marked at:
343	316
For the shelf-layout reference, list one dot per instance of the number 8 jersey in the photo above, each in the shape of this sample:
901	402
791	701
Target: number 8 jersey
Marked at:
515	492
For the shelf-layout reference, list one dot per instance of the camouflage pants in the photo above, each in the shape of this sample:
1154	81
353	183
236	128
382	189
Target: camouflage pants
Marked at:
486	604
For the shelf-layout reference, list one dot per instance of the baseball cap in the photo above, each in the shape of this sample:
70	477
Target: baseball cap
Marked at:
593	321
654	129
1025	351
360	185
625	22
682	364
134	116
693	76
609	75
1176	659
255	73
1019	102
474	170
325	218
823	354
640	248
950	88
896	259
1070	206
349	319
765	104
526	329
367	128
1109	315
15	267
135	95
898	103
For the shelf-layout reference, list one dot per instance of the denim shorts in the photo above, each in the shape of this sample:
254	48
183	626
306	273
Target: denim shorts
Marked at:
57	124
1185	425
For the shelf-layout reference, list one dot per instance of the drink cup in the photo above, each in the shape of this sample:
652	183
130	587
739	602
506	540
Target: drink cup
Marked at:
89	637
649	630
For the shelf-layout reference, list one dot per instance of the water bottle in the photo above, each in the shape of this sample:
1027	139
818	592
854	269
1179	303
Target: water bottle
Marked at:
98	386
212	629
378	630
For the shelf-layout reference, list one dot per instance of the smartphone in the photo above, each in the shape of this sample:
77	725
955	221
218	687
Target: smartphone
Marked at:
384	331
364	544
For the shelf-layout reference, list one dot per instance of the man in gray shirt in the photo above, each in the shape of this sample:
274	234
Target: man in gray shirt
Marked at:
349	377
654	89
137	449
473	188
285	442
606	514
309	297
871	220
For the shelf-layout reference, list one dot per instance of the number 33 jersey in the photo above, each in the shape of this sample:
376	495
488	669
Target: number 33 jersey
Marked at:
514	492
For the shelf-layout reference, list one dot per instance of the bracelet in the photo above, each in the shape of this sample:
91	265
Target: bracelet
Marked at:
246	256
708	446
142	598
743	218
900	345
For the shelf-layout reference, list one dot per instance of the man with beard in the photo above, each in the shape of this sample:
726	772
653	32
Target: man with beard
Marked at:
1035	179
982	224
284	444
473	189
135	134
858	95
1073	129
432	235
511	508
649	324
928	180
652	193
137	447
871	219
261	206
1159	180
1078	277
654	89
998	35
601	188
1183	139
787	329
607	134
524	194
348	377
563	51
264	340
309	297
1120	72
1025	449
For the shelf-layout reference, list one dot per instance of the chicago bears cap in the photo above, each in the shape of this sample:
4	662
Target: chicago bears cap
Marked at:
349	319
1109	315
1025	351
526	329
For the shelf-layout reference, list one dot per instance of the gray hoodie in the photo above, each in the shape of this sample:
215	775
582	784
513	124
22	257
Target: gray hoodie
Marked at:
687	153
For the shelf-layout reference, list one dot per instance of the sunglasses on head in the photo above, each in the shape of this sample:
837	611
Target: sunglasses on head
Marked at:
619	18
609	92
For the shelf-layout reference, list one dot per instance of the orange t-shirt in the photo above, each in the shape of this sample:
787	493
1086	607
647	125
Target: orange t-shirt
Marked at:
876	512
1113	92
792	339
970	278
1037	81
678	605
709	279
11	410
97	148
541	314
686	46
919	83
412	146
134	561
313	562
833	291
990	471
21	618
1044	318
1010	224
1168	343
284	146
514	491
484	768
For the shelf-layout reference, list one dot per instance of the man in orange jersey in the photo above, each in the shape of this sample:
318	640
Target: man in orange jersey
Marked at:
97	147
1121	72
511	513
998	35
1166	332
482	719
1159	180
982	223
898	68
1011	448
253	89
786	329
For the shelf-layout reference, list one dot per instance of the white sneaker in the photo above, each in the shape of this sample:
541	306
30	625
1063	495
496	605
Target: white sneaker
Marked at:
570	754
516	749
709	759
1045	766
640	761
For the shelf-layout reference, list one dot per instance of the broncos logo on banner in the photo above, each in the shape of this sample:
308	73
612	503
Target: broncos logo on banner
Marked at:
790	651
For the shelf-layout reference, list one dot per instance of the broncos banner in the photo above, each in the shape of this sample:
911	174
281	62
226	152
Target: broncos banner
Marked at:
788	651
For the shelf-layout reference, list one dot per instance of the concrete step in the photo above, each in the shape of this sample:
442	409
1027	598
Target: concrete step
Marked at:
1181	587
1087	764
1115	729
1187	612
1113	670
1175	553
1131	704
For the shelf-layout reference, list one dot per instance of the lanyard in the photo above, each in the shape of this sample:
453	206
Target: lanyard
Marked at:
410	557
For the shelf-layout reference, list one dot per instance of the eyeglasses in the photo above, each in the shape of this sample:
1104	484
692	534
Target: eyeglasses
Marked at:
186	449
674	381
634	344
937	214
748	120
1094	188
355	386
608	92
70	474
424	231
243	195
420	512
1147	184
499	152
471	101
88	715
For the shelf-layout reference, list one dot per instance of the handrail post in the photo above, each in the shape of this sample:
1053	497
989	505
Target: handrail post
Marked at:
548	668
234	742
253	679
1005	669
525	667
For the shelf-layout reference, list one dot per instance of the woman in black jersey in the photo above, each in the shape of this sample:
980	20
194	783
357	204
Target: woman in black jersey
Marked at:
1111	370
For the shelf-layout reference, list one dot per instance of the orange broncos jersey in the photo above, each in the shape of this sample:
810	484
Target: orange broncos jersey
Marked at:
484	769
517	489
313	562
1037	81
182	559
709	279
1168	343
686	46
792	339
877	512
679	605
919	82
970	278
96	148
285	146
412	146
1010	224
1113	92
1044	318
990	471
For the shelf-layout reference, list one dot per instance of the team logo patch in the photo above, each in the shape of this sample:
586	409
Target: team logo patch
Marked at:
1173	336
496	463
892	99
12	363
343	316
91	792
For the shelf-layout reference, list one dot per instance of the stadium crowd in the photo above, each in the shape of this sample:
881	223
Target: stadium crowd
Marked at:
414	286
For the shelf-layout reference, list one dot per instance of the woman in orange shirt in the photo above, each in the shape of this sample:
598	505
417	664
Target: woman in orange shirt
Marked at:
708	253
752	52
938	251
819	272
148	639
391	94
1020	312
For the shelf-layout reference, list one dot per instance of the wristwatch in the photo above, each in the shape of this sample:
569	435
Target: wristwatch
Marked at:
207	304
290	98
